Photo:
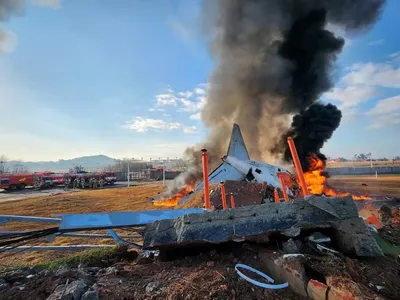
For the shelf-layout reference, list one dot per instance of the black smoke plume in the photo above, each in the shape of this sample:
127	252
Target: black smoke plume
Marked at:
311	129
274	60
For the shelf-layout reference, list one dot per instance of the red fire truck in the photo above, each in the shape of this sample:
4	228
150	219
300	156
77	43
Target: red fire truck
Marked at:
109	177
48	180
16	181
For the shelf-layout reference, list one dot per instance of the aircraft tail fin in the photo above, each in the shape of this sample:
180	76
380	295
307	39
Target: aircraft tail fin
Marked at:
237	147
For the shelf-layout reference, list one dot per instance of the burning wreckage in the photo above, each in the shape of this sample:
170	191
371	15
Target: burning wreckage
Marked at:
275	206
268	206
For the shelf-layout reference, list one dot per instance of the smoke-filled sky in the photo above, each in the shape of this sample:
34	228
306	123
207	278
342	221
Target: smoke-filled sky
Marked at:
130	80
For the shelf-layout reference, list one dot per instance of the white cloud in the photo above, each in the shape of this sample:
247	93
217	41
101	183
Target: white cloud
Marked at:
199	91
385	113
386	106
49	3
167	99
362	83
190	129
351	96
186	101
156	109
395	57
186	94
195	116
141	124
374	74
376	42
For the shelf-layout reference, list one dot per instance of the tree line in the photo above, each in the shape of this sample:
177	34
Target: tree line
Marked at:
14	168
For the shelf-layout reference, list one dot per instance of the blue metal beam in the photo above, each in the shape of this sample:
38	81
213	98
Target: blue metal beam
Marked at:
9	218
71	222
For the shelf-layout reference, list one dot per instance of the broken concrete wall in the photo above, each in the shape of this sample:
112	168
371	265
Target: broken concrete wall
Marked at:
247	223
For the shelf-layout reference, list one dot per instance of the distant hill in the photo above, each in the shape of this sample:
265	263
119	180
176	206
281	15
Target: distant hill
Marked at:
91	163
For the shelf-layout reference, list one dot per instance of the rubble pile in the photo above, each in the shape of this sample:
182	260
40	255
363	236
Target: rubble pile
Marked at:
245	193
209	273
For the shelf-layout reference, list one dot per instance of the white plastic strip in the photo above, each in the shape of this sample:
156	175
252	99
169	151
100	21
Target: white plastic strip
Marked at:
257	283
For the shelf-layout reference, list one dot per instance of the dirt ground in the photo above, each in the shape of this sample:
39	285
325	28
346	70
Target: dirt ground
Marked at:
382	186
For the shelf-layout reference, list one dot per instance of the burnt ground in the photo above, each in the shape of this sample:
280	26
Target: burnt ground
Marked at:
206	274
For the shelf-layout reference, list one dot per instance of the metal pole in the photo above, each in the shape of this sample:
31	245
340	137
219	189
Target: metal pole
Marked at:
204	157
297	165
163	173
129	175
283	185
223	195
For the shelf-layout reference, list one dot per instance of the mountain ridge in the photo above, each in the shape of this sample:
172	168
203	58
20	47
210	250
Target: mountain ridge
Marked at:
89	162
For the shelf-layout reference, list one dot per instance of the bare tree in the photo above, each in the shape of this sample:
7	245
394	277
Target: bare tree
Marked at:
19	168
77	169
3	165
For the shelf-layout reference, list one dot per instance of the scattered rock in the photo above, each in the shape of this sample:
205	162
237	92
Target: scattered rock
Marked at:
286	268
385	214
92	270
4	286
213	253
108	271
81	274
290	246
316	290
92	293
318	237
152	286
145	257
345	288
64	272
2	280
210	264
292	232
73	291
45	273
18	275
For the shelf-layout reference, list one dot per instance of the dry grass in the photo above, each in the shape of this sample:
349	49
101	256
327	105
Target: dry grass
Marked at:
115	199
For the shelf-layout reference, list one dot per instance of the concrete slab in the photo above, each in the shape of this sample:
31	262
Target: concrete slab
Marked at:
245	223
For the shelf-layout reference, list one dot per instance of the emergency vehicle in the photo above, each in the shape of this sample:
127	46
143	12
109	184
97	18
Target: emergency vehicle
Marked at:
16	181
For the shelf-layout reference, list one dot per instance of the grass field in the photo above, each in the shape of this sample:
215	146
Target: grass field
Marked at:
131	199
117	199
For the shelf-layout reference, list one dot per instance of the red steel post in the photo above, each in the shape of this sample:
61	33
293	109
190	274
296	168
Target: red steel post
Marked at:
232	201
223	195
297	165
285	195
205	179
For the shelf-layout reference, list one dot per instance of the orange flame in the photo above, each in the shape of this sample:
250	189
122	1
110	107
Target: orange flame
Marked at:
317	182
173	201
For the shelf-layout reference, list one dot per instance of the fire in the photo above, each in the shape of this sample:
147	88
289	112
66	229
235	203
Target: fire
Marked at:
173	201
317	182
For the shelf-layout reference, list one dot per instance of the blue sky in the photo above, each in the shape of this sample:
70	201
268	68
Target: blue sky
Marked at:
129	80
